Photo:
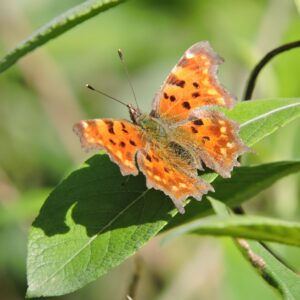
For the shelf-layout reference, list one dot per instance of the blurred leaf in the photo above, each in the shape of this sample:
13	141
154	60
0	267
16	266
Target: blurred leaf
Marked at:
56	27
91	222
274	272
245	183
23	209
250	227
297	2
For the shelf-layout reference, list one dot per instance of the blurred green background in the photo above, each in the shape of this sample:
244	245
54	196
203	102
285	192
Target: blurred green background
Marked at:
44	95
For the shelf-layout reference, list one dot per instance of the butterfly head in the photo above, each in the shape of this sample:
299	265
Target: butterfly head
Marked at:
134	113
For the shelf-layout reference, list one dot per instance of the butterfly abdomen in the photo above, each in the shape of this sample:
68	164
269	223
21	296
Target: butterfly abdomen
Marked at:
181	153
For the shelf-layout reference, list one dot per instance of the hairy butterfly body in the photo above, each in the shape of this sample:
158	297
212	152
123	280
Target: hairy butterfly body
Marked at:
181	135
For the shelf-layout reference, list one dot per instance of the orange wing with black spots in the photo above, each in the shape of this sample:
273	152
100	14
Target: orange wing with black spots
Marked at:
181	135
214	139
191	84
120	138
171	176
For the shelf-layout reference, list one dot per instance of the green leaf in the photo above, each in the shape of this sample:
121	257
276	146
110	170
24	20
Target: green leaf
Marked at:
91	222
245	183
274	272
297	3
56	27
260	118
249	227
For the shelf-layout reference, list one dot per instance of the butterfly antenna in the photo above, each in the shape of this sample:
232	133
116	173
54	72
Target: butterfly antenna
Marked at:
120	53
106	95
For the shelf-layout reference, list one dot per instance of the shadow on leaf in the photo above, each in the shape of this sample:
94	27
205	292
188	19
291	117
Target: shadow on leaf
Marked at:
99	198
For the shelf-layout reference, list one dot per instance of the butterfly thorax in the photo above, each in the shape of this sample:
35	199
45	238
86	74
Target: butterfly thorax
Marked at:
153	127
165	142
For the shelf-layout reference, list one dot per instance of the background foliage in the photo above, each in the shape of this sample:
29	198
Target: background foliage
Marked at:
44	95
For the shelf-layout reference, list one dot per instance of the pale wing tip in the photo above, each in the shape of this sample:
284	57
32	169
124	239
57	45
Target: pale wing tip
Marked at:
179	206
204	46
79	129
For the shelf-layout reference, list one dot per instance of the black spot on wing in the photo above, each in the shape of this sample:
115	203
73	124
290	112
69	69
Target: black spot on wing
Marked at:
186	105
195	94
174	80
172	98
194	130
110	126
198	122
132	143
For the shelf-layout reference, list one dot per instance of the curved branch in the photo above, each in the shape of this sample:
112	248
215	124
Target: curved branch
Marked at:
247	96
255	72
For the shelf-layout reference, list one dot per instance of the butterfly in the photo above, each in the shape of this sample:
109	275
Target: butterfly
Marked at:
182	134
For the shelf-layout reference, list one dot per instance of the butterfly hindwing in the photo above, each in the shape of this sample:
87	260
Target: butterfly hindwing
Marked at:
164	174
214	138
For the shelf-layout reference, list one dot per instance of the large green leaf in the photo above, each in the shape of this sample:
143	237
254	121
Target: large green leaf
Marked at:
259	118
56	27
91	222
273	271
249	227
245	183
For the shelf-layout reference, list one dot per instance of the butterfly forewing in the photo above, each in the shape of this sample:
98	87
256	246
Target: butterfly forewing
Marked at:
191	84
120	138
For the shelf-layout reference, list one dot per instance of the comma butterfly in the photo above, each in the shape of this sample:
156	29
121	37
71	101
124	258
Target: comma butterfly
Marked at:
182	133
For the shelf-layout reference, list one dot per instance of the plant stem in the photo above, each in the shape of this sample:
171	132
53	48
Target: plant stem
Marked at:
256	70
247	97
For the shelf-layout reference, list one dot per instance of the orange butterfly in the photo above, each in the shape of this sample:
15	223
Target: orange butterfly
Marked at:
181	135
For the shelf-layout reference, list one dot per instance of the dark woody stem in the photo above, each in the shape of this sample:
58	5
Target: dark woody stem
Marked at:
256	70
247	97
